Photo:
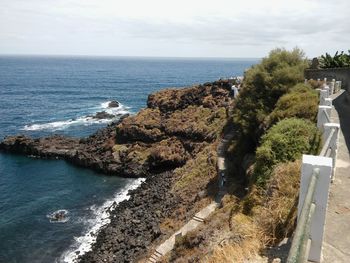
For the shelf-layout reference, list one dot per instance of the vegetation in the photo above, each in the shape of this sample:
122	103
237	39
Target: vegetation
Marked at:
339	60
278	112
316	84
241	229
301	102
198	123
263	85
197	171
285	141
276	213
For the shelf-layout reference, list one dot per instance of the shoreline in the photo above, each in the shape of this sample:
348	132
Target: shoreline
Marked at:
84	242
177	126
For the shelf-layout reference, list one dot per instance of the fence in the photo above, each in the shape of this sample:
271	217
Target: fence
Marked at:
316	175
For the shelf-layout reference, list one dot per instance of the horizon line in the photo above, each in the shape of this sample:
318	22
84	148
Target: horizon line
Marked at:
122	56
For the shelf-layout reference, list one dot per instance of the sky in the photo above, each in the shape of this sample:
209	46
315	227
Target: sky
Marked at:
180	28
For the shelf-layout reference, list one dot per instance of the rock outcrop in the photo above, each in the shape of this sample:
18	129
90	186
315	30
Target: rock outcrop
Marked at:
175	126
177	129
113	104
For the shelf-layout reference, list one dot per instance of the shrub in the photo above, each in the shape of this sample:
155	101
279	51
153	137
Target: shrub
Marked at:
338	61
263	85
285	141
316	84
301	102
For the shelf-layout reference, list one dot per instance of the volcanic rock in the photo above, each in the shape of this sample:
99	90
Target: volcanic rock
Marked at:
113	104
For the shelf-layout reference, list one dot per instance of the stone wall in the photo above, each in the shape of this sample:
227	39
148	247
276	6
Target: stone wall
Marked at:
342	74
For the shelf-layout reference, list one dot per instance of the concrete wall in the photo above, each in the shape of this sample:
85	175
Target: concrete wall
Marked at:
342	74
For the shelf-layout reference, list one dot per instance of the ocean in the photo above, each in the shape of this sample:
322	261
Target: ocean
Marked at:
45	95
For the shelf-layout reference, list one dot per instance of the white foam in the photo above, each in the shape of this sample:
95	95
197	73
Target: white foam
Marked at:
121	109
61	125
54	219
84	243
84	120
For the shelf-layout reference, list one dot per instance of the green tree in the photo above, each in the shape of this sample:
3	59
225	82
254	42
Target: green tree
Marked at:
263	85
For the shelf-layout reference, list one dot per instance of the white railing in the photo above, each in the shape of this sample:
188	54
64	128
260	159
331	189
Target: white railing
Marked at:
316	175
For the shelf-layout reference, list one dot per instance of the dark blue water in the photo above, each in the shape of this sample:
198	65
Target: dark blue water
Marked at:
45	95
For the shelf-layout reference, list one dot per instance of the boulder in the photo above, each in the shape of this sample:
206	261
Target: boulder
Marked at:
113	104
103	115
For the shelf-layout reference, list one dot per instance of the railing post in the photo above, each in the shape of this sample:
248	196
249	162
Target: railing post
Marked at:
337	86
321	115
324	164
328	102
332	87
326	88
323	96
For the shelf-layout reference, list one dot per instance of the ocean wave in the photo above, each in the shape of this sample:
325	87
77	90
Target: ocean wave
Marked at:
84	120
84	243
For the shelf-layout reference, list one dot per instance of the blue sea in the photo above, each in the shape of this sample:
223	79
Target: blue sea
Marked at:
45	95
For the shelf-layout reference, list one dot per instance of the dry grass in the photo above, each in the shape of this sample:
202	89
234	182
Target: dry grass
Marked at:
196	122
168	152
277	215
197	173
270	218
235	253
241	229
274	208
244	242
316	84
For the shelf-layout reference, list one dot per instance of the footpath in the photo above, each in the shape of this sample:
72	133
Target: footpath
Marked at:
336	244
199	218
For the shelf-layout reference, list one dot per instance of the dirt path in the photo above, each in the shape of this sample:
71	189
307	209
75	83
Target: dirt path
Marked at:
199	218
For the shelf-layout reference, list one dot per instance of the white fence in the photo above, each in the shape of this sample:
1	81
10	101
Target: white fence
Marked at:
316	175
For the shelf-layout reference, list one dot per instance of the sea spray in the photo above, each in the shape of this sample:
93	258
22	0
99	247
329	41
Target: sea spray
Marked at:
83	120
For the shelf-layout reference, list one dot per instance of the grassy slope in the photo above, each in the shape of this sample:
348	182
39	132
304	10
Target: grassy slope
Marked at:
243	227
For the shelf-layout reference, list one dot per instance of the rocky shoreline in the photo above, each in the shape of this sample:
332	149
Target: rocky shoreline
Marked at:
135	222
177	126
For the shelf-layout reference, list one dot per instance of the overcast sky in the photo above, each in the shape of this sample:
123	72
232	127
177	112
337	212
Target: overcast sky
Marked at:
178	28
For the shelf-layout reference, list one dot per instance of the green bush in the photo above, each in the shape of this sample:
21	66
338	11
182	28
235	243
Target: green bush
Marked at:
338	61
285	141
301	102
263	85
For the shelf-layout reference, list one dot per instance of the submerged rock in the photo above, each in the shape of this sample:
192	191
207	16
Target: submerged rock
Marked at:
59	216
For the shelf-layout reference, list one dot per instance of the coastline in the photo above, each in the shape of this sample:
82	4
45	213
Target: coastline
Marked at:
177	127
85	242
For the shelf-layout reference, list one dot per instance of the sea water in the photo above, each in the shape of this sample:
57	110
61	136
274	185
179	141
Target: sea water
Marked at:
41	96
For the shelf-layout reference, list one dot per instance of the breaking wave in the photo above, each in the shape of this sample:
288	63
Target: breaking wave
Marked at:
84	120
84	243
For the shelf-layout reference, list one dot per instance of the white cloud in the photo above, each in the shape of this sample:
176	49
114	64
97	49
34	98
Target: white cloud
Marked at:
172	28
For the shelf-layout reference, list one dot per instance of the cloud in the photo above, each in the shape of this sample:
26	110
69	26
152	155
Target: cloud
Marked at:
180	28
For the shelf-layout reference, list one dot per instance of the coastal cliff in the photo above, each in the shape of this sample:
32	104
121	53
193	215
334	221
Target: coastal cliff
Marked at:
172	143
176	125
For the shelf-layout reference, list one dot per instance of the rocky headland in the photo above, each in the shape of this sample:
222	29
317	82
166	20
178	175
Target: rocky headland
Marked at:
172	143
